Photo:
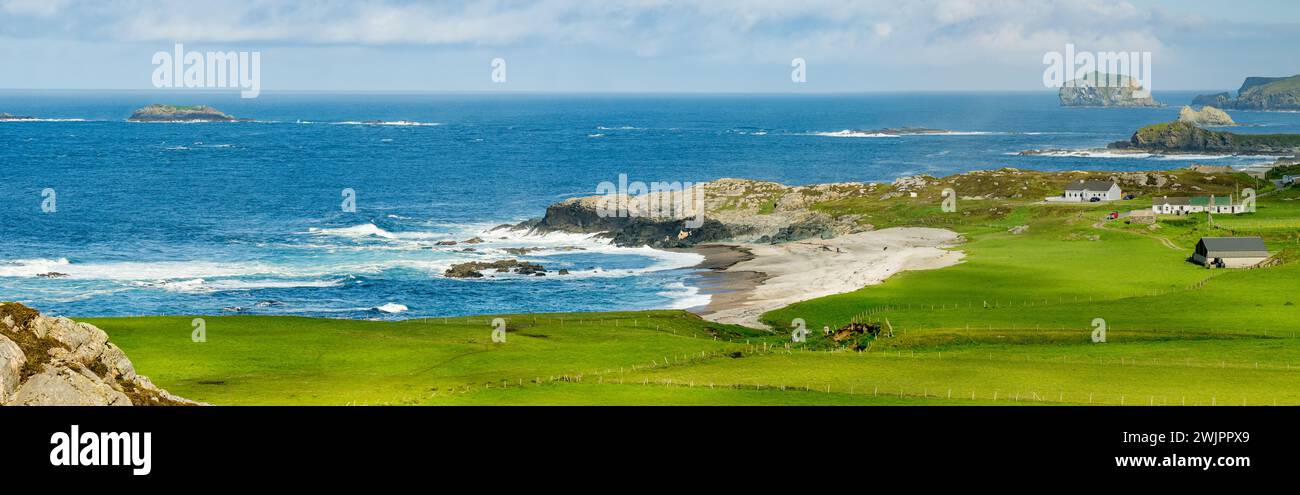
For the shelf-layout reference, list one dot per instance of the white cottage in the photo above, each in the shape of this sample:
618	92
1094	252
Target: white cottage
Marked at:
1084	191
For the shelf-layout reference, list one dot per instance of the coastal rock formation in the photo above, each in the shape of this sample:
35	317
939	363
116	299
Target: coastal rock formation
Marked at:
1181	136
1099	89
1219	100
175	113
733	210
55	361
474	269
1207	115
1259	93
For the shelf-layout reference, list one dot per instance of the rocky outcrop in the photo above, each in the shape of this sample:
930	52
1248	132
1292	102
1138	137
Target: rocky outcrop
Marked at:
1099	89
734	210
474	269
175	113
56	361
1184	137
1259	93
1207	115
1220	100
5	116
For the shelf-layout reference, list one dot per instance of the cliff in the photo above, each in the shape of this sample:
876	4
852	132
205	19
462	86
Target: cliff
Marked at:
1104	90
174	113
1185	137
58	362
1259	93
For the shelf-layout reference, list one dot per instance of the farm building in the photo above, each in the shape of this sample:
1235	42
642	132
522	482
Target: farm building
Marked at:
1199	204
1230	252
1084	191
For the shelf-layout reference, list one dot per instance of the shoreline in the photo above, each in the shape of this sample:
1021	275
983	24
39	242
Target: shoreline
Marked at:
745	281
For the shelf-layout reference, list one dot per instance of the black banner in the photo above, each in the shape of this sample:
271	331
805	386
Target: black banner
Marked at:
247	443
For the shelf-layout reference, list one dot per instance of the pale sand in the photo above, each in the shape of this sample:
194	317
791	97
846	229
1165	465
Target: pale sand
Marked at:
775	276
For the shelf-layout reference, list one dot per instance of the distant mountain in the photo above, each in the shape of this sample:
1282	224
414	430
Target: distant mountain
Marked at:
1258	93
1098	89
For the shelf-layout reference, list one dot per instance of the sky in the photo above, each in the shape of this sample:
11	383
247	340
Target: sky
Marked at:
645	45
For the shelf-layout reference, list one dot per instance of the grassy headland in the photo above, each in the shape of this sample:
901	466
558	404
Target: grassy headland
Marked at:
1009	325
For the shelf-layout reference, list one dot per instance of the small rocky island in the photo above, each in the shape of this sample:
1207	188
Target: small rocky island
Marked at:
1098	89
1258	93
178	113
6	116
1207	115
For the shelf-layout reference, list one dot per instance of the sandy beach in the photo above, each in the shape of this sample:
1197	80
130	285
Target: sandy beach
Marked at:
747	280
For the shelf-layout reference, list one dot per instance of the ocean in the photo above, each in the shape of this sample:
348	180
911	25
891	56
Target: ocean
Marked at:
247	217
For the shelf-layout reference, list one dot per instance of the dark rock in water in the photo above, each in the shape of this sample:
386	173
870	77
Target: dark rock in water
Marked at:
474	240
176	113
474	269
563	271
52	275
5	116
445	243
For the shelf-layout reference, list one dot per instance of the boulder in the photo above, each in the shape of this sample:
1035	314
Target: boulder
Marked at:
61	386
57	361
11	366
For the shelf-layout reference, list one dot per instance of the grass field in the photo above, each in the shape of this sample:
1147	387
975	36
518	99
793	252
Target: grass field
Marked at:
1012	324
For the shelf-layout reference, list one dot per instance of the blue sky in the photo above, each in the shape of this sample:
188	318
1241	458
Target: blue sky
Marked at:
645	45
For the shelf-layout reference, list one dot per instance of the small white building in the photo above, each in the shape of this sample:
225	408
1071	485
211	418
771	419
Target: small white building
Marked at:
1199	204
1085	191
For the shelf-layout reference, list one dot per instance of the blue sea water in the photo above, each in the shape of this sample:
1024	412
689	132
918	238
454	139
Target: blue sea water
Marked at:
208	218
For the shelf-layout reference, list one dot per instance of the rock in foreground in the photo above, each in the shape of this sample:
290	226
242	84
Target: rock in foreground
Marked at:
58	362
176	113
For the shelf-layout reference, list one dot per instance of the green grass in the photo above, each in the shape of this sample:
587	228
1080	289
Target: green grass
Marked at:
1011	324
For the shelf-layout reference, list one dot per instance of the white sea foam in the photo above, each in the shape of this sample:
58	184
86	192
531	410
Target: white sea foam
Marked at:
398	123
41	120
685	296
851	133
391	308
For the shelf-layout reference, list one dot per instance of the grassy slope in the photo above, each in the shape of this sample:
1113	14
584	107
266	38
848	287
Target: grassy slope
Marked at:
1178	333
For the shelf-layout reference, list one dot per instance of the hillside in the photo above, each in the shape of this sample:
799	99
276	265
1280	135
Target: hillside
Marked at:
1259	93
1011	324
1182	136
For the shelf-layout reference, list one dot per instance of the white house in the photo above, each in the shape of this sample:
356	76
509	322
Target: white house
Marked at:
1199	204
1084	191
